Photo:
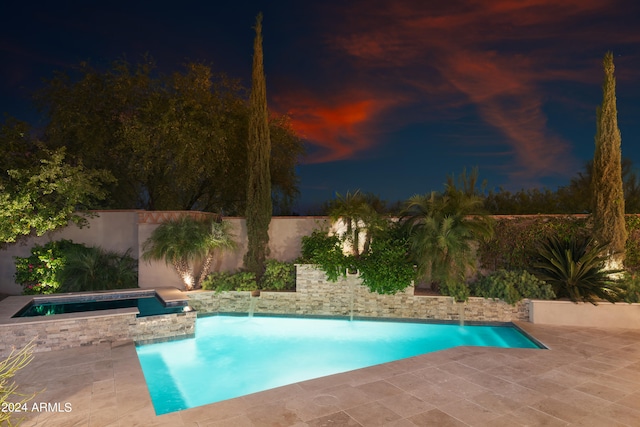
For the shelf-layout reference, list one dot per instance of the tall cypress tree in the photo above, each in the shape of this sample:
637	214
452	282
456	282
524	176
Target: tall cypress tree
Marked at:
259	207
608	195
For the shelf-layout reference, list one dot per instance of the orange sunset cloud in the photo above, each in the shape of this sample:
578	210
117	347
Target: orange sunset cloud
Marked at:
493	56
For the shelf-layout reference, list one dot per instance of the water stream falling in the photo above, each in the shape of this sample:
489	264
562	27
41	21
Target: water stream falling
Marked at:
252	305
461	313
351	299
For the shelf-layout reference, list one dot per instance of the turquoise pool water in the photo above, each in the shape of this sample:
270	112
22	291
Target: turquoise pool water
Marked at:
232	356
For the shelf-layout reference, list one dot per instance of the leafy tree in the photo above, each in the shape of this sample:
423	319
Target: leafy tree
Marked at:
175	142
577	196
523	202
184	242
608	196
259	205
46	195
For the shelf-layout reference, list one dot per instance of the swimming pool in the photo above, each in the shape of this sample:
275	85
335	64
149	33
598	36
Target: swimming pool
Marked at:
232	356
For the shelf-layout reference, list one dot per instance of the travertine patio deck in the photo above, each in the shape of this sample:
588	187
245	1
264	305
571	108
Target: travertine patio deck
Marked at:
589	377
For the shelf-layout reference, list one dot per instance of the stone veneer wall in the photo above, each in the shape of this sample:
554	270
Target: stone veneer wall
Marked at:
316	296
58	334
163	327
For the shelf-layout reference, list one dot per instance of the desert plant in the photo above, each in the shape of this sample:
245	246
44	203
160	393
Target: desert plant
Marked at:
575	269
8	388
185	241
93	269
511	286
278	276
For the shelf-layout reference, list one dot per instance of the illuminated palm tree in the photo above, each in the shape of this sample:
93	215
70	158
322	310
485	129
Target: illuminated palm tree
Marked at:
186	241
360	214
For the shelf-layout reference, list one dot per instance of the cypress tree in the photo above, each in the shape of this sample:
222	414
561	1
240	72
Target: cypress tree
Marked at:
258	214
608	195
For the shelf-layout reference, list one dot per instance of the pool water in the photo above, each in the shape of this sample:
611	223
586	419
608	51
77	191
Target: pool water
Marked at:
148	305
232	356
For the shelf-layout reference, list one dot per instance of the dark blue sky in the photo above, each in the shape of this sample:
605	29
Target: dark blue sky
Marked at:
391	96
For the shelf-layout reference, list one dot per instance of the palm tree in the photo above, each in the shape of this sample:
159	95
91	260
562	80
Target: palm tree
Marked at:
442	229
185	241
95	269
218	238
359	213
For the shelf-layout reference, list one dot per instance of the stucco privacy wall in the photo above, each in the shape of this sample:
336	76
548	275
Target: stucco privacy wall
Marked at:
111	230
123	230
315	295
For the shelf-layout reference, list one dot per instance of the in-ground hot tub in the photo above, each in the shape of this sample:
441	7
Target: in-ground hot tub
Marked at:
148	303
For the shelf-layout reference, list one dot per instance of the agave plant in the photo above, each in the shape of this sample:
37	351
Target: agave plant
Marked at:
575	268
186	241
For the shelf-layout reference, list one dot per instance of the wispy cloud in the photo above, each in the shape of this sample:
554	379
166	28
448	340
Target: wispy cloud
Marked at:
495	56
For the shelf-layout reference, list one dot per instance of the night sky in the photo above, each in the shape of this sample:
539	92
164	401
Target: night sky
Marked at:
390	96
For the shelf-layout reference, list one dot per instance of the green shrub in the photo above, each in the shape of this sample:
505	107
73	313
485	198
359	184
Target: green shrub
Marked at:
630	288
325	250
279	276
39	273
95	269
514	239
386	268
632	246
511	286
221	281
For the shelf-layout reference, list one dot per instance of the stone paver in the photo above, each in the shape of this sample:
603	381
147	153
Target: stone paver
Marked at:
588	377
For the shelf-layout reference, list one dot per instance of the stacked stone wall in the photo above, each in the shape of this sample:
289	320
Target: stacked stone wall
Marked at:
163	327
315	295
61	334
58	334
